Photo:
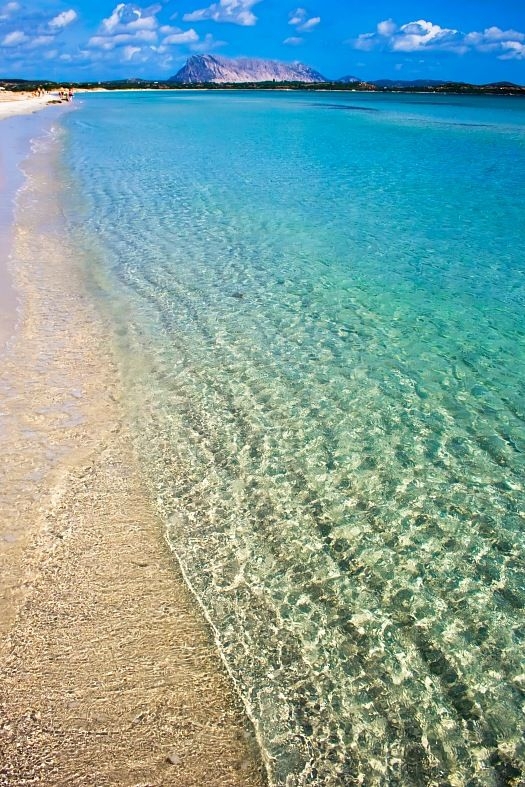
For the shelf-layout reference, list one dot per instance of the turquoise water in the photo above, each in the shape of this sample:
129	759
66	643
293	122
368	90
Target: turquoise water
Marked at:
318	301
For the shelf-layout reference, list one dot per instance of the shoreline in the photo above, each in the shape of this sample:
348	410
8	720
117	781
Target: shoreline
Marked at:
16	134
110	674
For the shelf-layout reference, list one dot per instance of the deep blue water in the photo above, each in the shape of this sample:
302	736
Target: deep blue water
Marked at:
318	304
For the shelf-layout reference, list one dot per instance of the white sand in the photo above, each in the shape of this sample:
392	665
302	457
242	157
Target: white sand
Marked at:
22	103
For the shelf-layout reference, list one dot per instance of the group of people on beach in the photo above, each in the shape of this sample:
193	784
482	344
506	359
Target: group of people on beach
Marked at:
65	93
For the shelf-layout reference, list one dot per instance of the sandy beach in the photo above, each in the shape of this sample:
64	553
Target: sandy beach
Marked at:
109	674
12	104
22	103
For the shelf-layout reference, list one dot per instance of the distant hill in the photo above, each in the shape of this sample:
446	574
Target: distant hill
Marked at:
221	70
392	83
503	85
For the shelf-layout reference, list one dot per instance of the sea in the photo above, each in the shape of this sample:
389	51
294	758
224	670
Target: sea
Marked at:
317	302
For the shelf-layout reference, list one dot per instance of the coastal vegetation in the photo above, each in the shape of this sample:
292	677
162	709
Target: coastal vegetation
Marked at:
492	88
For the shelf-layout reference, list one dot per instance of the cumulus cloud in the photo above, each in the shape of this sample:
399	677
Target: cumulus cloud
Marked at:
63	20
309	24
127	26
134	34
7	10
298	16
182	37
513	50
130	17
411	37
422	35
15	38
293	41
41	41
507	44
386	28
237	12
129	51
120	39
302	21
122	14
207	44
26	31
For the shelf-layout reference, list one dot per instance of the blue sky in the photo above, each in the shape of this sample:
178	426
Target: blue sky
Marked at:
472	40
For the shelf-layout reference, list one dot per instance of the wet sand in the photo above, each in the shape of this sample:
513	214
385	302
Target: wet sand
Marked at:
108	673
11	105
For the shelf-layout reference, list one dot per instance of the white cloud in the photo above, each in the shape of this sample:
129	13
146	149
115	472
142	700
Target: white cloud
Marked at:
386	28
302	21
11	7
514	50
298	16
293	41
113	21
8	10
508	43
182	37
142	23
63	20
129	51
207	44
15	38
110	42
128	25
493	35
422	35
41	41
237	12
130	17
101	42
309	24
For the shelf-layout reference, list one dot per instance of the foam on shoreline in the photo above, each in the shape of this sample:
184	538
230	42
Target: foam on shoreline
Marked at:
109	674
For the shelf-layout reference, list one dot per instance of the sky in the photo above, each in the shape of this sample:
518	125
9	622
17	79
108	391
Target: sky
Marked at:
471	40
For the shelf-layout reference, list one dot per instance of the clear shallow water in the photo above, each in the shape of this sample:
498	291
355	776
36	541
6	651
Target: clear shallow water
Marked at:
319	302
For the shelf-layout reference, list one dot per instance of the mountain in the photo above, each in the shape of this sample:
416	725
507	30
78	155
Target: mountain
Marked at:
348	80
212	68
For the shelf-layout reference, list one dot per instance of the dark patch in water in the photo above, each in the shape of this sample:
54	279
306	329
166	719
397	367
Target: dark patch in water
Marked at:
472	125
348	107
453	686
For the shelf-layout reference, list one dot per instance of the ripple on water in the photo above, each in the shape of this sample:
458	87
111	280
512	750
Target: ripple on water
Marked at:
328	399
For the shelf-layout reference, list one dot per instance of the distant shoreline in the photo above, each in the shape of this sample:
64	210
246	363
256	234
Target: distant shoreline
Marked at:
447	88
